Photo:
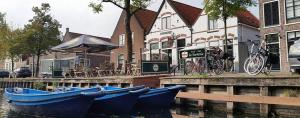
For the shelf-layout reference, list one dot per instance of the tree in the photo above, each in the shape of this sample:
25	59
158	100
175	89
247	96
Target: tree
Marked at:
10	41
130	7
224	9
3	32
42	33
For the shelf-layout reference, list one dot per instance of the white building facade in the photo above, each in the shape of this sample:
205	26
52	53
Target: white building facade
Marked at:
179	26
240	30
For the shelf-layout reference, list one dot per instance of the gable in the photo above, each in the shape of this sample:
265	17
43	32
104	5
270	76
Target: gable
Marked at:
167	10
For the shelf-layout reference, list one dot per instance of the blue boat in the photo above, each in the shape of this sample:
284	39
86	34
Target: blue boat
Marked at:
69	103
160	97
118	101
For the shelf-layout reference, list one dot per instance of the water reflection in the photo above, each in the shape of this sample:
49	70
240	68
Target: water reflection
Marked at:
174	112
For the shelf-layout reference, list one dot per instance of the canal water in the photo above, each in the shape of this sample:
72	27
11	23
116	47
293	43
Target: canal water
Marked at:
174	112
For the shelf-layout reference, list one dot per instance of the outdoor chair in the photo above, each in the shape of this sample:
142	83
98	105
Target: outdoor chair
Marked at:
88	72
100	70
136	70
78	71
120	70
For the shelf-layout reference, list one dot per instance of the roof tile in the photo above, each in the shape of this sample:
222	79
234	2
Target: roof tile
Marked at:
246	17
189	13
146	18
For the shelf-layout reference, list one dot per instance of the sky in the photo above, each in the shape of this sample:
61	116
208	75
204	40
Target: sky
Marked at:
76	15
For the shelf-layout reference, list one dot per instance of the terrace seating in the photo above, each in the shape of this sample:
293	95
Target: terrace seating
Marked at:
78	71
120	69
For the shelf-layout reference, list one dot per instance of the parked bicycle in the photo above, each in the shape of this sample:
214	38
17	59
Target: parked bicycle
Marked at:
258	61
215	63
195	67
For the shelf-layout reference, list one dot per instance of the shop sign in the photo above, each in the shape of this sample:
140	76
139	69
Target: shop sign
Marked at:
155	67
192	53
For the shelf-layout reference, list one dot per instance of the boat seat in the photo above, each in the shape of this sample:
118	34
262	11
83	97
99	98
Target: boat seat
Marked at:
18	90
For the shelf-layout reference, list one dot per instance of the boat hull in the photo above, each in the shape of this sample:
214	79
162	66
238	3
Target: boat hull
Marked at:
161	98
72	103
71	107
119	103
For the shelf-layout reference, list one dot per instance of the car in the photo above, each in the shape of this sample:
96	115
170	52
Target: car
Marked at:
4	73
294	56
22	72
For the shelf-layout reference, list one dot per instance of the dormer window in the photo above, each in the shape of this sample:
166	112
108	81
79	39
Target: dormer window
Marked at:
166	22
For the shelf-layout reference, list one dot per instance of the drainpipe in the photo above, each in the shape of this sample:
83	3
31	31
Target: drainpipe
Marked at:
191	29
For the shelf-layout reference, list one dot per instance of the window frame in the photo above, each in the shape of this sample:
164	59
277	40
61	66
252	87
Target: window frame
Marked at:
121	40
294	10
154	44
214	24
119	59
264	13
166	23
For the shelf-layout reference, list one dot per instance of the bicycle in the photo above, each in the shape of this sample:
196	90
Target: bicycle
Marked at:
258	61
192	67
215	63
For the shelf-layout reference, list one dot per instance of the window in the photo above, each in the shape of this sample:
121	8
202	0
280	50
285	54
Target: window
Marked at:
292	37
120	59
273	45
181	43
165	44
154	46
214	44
229	46
166	23
122	40
292	8
212	24
271	13
133	59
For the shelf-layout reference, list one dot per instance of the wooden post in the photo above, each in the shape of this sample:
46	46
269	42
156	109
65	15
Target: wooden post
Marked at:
201	103
230	105
264	108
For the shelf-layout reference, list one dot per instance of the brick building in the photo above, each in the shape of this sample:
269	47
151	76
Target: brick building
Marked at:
141	22
280	26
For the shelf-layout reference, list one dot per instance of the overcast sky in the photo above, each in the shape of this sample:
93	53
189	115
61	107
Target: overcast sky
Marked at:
76	14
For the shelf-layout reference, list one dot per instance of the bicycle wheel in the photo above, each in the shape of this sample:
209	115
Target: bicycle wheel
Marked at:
268	68
189	66
229	67
246	64
255	65
219	67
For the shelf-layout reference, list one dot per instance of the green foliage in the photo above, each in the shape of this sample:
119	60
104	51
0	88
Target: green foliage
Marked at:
55	85
11	40
39	85
42	31
134	5
226	8
199	75
290	93
130	7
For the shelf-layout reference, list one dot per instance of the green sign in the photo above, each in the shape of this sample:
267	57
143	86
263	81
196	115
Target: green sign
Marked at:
155	67
192	53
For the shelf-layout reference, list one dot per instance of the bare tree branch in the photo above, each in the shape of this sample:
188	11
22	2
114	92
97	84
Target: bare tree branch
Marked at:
114	3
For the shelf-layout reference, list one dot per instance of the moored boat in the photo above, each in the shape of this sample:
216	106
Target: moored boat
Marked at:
160	97
69	103
118	101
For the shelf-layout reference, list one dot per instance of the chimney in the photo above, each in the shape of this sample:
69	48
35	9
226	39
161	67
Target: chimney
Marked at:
67	29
